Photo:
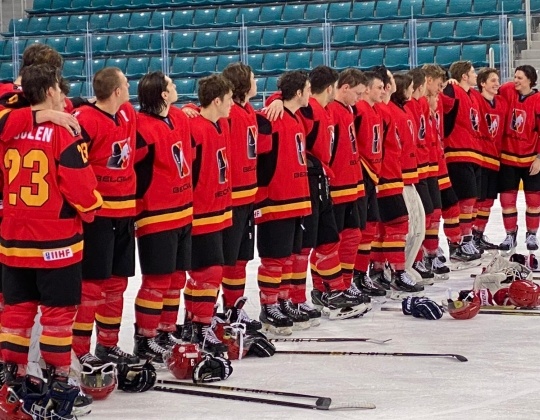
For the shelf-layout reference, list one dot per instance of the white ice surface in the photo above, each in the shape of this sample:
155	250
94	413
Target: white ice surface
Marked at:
501	380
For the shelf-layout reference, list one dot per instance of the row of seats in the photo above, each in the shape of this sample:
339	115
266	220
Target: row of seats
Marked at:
396	58
275	38
379	9
199	17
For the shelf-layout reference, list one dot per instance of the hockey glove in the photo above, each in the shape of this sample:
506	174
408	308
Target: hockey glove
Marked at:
406	305
136	378
212	369
426	308
261	347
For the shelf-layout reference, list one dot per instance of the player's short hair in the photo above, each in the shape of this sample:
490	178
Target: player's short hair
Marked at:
39	53
530	73
352	77
382	71
239	75
434	71
403	81
371	76
418	77
321	77
483	76
149	91
36	81
291	82
460	68
64	86
106	81
212	87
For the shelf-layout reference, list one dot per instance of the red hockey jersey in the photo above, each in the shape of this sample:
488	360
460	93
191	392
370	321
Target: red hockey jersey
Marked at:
406	134
50	189
212	201
347	184
281	169
438	120
110	141
520	143
163	168
418	109
243	154
368	125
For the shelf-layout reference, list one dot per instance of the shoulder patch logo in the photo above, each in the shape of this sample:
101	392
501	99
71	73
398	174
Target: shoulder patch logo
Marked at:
121	152
180	159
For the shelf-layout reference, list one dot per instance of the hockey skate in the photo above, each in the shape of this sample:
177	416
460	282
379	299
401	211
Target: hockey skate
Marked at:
205	336
115	355
532	242
354	293
481	242
149	348
427	276
274	321
464	256
371	285
300	319
314	314
404	286
238	314
441	271
508	246
336	305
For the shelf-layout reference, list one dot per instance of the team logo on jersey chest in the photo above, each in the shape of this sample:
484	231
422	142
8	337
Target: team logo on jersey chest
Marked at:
180	159
222	165
493	122
519	116
352	138
252	142
121	152
474	119
422	128
300	148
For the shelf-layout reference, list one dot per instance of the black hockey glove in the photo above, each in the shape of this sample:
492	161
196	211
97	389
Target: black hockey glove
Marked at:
426	308
261	347
136	378
212	369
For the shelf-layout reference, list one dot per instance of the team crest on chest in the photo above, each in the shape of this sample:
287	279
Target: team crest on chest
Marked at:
121	152
519	117
222	164
474	119
300	148
180	159
493	122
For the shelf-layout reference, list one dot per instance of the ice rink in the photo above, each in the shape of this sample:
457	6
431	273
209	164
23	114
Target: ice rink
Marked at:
501	380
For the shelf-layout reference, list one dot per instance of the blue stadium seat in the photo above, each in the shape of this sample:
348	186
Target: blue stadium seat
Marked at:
386	9
405	8
225	59
535	6
496	51
204	65
20	25
392	33
261	82
121	63
99	45
32	26
204	40
6	49
58	24
75	89
226	16
98	64
519	27
483	7
510	6
73	69
426	54
317	58
58	43
467	30
155	42
344	35
25	43
293	13
460	7
58	6
347	58
228	40
182	41
316	36
41	6
299	37
315	12
159	17
139	43
137	67
435	8
442	31
204	17
270	14
397	58
255	62
422	31
363	10
339	11
85	5
140	4
119	21
87	90
300	60
99	22
475	53
156	64
140	21
98	5
368	34
489	29
271	84
182	18
133	88
118	44
254	37
273	38
78	23
371	57
249	14
185	87
275	62
6	71
257	104
447	54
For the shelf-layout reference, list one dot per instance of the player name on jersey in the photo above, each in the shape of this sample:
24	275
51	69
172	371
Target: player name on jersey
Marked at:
41	134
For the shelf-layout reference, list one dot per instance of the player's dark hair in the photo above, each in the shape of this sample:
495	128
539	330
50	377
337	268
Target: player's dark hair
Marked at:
382	71
483	76
64	86
403	81
149	91
239	74
106	81
36	81
371	76
321	77
289	83
352	77
212	87
460	68
418	77
530	73
38	53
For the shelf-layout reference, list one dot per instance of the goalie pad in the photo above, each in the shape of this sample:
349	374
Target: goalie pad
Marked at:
212	369
489	281
136	378
512	269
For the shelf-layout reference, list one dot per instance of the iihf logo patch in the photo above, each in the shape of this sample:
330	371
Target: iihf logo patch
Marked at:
300	149
475	122
180	159
376	143
57	254
492	121
222	165
422	128
119	158
519	117
252	142
352	138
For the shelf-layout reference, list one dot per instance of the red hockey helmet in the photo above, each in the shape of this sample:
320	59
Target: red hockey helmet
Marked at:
501	297
98	381
464	309
181	360
524	293
11	406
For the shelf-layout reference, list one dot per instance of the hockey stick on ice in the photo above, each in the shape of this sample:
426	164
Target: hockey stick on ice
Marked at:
320	404
358	353
497	310
327	340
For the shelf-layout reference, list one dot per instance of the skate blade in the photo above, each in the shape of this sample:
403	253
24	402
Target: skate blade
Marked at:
315	322
347	313
442	277
400	295
301	326
459	266
277	330
426	282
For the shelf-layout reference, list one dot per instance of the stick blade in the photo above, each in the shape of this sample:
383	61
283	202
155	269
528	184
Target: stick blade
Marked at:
353	405
460	358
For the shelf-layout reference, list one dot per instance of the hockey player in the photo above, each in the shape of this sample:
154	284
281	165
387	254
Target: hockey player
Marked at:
108	128
211	207
520	156
493	114
239	239
281	159
45	217
164	213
